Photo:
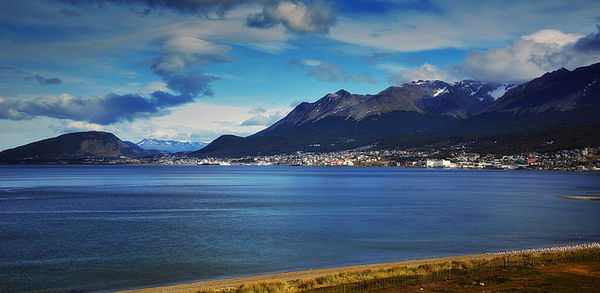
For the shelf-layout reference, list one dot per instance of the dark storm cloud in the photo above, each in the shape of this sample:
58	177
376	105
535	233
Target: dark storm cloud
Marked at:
191	83
111	108
589	43
202	7
43	80
9	70
296	16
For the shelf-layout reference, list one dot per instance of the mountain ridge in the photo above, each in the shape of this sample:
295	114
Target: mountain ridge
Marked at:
560	98
170	146
460	100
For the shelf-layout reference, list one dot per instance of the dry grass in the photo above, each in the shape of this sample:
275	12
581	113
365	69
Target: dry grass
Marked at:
424	270
259	287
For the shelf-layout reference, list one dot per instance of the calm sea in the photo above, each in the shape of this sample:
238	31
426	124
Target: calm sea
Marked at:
90	228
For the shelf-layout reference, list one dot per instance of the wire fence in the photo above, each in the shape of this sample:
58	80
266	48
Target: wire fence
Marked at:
472	268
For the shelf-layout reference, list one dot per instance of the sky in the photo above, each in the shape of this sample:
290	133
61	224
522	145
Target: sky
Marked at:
193	70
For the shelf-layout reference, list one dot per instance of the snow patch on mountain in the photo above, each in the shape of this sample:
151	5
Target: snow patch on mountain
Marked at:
500	91
170	146
440	91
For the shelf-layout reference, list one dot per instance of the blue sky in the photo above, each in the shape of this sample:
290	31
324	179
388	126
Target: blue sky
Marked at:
196	69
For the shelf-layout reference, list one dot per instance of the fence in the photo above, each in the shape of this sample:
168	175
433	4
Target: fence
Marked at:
463	268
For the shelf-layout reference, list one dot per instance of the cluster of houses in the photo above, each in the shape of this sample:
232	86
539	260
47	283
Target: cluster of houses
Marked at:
587	159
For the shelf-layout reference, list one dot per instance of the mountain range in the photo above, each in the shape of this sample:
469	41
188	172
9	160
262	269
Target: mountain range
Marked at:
407	113
170	146
561	106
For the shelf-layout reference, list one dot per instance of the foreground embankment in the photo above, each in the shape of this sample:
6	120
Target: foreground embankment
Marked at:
376	277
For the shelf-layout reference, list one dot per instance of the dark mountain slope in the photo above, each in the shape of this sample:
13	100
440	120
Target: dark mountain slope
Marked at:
342	111
74	146
560	90
419	112
556	99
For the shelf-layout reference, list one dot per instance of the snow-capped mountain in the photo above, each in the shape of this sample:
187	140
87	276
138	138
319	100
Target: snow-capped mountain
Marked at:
170	146
458	100
427	112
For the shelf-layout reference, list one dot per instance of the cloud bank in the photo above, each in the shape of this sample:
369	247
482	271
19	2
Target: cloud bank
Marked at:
526	58
296	16
462	24
185	6
265	117
111	108
533	55
183	86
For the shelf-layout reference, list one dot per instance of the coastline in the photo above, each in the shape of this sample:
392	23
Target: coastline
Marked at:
296	276
283	165
299	276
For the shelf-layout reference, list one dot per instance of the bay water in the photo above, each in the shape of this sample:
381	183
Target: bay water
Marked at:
79	228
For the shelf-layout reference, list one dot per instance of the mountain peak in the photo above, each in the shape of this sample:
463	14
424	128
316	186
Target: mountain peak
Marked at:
425	83
343	92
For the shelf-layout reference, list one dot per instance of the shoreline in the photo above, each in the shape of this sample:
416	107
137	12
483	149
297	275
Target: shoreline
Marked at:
294	276
298	276
320	166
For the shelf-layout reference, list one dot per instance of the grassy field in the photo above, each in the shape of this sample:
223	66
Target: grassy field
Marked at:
558	271
578	276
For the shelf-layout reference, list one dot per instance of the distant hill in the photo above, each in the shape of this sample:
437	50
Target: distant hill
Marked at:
73	146
426	109
170	146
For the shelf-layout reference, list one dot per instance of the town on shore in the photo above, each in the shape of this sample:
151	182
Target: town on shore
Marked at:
585	159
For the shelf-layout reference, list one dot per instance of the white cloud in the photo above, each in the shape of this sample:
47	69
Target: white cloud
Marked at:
391	67
192	122
74	126
265	118
462	23
273	47
552	37
181	52
423	72
168	134
528	57
295	16
155	86
199	121
310	62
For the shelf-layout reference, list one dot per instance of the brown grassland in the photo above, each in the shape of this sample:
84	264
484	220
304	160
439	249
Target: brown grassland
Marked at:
566	271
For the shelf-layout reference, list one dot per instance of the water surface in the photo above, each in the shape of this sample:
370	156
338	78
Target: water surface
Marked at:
89	228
